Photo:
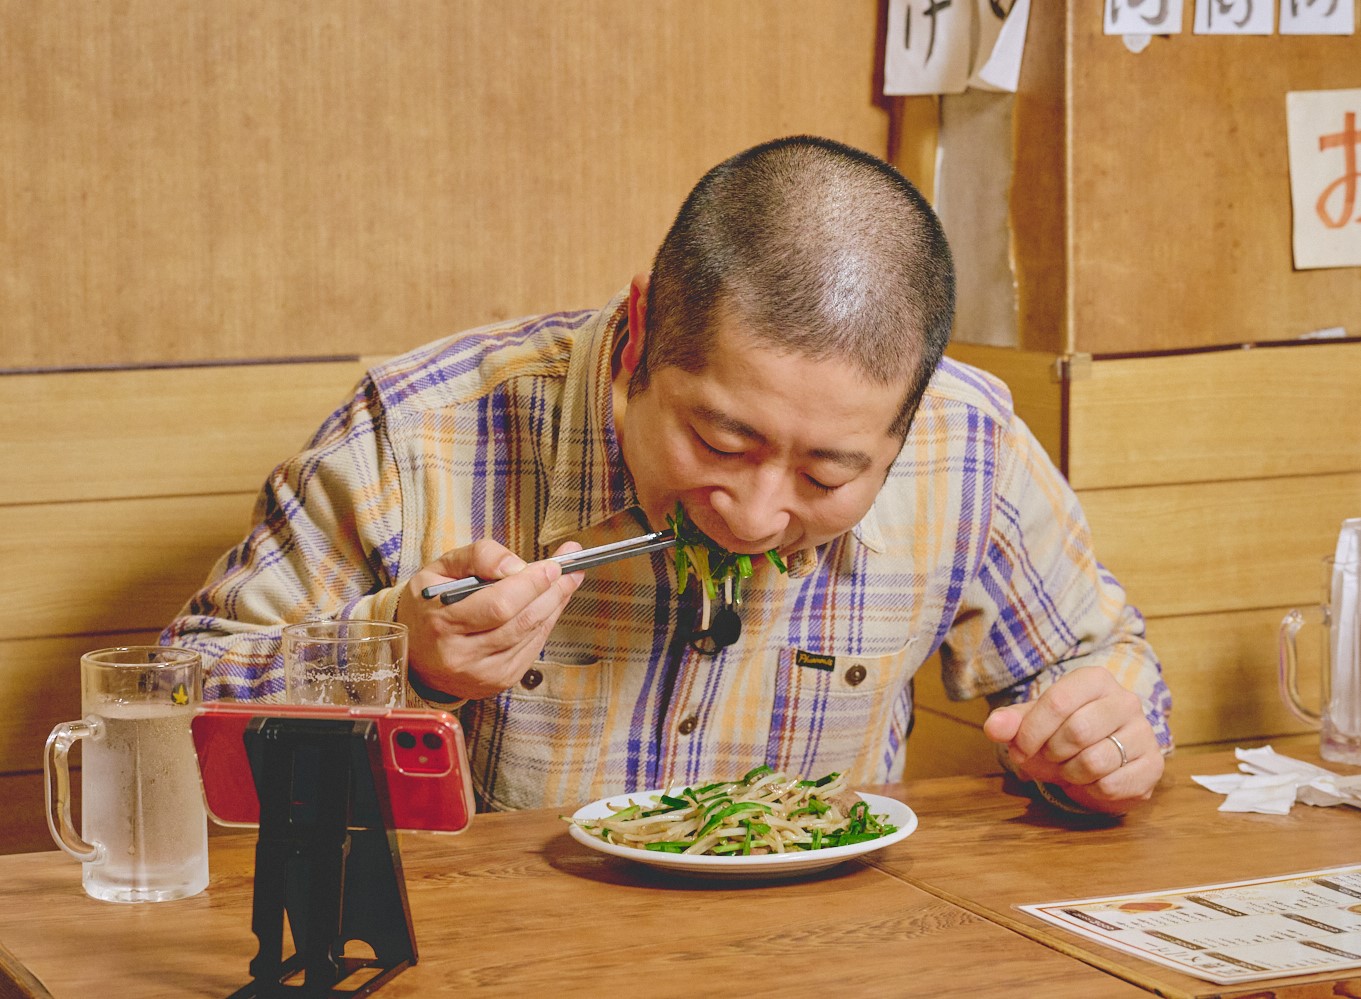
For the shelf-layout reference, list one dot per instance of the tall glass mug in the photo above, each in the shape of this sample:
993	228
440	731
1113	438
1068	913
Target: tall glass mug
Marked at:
144	829
1339	717
345	662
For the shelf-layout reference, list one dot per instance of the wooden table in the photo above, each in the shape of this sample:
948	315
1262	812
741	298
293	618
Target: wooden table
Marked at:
987	847
516	907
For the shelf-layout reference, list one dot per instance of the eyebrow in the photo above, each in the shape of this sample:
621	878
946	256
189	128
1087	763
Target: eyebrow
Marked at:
856	461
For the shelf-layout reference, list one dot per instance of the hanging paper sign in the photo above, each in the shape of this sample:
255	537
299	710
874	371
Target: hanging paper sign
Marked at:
1001	43
1318	17
927	50
1324	134
1143	17
1235	17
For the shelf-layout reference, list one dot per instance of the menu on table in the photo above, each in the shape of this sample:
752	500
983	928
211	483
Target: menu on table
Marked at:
1241	931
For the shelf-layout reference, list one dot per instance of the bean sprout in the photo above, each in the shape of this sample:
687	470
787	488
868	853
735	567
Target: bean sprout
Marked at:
765	812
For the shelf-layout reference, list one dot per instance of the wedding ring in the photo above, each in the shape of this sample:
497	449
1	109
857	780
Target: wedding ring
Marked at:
1123	758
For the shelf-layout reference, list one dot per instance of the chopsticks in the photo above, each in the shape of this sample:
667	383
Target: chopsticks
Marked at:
454	590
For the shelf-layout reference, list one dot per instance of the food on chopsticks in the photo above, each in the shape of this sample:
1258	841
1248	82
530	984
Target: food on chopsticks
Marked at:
711	563
765	812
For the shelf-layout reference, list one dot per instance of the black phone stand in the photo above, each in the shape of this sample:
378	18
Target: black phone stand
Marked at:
327	856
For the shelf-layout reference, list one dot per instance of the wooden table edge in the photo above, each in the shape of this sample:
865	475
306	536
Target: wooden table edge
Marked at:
16	981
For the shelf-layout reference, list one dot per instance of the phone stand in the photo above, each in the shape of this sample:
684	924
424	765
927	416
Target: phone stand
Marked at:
326	856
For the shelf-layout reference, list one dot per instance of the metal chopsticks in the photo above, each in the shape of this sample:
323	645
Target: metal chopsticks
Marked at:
454	590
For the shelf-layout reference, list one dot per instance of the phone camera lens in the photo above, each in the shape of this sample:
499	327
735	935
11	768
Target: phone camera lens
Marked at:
406	740
432	741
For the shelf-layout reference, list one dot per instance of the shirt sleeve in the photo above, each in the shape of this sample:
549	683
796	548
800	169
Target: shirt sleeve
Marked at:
324	544
1040	604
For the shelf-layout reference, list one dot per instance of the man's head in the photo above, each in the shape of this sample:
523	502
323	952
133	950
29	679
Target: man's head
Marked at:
778	350
817	249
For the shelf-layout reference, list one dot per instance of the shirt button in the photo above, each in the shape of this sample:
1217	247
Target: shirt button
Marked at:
531	679
687	725
855	675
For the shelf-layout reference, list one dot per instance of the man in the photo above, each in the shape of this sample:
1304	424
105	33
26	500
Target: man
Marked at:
778	374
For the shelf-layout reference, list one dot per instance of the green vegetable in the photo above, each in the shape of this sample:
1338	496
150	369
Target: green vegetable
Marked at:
696	552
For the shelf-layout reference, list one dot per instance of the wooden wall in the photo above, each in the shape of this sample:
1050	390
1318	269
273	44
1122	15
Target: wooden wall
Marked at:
1151	199
248	179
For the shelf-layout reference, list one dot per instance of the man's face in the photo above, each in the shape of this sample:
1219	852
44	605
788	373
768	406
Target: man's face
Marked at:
763	449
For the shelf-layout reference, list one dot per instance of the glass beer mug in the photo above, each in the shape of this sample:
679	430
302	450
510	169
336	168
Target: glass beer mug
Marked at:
144	828
1339	721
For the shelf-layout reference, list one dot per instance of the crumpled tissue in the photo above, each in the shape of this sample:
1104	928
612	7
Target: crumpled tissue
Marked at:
1271	784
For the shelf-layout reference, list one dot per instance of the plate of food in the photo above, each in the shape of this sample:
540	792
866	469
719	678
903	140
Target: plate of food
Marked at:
765	825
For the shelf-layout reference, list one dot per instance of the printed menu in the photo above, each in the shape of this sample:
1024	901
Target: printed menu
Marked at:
1242	931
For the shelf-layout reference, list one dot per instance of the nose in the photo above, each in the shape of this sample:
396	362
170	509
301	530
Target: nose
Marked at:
755	507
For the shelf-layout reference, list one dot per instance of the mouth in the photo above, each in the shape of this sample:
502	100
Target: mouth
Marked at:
728	544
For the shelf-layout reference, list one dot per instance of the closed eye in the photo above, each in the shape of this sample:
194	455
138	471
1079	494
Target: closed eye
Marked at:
716	452
821	487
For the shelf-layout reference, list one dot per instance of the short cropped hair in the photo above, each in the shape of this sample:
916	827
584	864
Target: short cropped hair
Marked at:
818	248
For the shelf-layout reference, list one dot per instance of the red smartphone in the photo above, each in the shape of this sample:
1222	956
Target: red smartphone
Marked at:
423	753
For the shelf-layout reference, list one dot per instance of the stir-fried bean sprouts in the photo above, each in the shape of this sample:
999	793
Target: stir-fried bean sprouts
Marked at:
765	812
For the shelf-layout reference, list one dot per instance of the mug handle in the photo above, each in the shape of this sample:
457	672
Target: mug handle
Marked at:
55	761
1288	675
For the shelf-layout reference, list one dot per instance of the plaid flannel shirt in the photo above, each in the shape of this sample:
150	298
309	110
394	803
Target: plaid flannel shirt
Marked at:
975	547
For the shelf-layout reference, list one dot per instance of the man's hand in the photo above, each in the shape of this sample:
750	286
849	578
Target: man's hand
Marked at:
1063	737
484	643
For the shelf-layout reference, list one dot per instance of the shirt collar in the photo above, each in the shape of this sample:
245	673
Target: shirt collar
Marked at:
589	483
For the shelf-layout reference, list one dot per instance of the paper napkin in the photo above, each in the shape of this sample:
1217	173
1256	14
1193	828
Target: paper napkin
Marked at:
1270	783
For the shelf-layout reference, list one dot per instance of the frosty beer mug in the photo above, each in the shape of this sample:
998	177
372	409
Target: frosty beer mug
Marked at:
1339	720
144	830
345	662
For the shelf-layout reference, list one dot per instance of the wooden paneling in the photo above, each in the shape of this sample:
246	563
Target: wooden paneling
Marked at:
915	132
1222	671
947	736
1179	228
1035	391
1216	546
1039	193
334	177
943	746
159	432
1222	415
111	565
40	686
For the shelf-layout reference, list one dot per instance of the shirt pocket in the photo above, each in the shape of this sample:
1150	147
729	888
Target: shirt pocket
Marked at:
849	714
544	740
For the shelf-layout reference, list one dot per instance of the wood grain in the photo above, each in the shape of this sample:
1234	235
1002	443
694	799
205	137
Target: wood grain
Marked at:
111	565
1120	248
1020	853
1041	208
334	177
1035	391
1221	546
40	687
1239	414
159	431
1221	669
514	907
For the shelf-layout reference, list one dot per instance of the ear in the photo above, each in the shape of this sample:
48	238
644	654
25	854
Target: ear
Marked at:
632	354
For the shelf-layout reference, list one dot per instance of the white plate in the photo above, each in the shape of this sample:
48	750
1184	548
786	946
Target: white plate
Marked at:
773	865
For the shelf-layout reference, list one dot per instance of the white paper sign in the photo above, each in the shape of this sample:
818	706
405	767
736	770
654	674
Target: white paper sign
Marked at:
927	50
1318	17
1143	17
1324	134
1235	17
1001	43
